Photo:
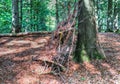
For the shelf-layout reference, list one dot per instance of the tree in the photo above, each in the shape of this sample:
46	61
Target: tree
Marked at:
119	14
15	16
87	46
20	15
110	16
98	6
115	22
57	14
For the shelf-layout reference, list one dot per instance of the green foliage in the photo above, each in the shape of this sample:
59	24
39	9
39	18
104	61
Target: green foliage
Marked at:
102	15
63	8
40	15
84	56
37	15
5	16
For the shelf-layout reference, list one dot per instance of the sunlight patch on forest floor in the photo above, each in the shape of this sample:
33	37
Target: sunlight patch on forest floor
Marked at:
18	65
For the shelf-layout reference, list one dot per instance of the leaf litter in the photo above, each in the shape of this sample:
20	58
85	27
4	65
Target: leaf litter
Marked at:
22	62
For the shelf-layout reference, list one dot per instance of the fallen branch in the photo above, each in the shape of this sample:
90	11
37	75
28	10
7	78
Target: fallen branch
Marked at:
50	63
24	34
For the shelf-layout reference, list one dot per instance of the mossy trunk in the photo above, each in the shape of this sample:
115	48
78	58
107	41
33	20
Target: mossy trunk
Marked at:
87	46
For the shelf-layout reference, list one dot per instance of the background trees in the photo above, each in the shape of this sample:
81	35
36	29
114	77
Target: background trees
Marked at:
5	16
107	15
36	15
39	15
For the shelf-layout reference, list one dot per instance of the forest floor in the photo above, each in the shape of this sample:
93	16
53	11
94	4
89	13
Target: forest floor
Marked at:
17	64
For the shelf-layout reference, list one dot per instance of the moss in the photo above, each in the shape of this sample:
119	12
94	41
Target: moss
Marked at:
97	55
84	56
81	57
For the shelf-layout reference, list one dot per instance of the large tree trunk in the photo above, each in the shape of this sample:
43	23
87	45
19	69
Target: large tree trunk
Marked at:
87	46
15	16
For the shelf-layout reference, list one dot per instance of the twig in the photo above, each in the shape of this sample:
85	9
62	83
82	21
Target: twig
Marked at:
51	62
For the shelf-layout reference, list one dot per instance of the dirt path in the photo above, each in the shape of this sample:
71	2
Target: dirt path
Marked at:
17	65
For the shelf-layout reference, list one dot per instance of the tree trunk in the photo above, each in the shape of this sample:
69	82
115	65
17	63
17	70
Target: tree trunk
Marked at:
87	46
31	14
15	17
110	16
119	14
115	23
98	6
21	6
57	14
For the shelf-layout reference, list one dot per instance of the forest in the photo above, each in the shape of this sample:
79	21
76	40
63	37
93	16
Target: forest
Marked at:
59	41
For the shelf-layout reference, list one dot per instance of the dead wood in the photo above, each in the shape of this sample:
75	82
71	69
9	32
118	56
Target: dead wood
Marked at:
50	63
65	38
26	34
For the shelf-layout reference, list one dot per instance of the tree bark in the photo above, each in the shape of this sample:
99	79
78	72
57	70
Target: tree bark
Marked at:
57	13
110	16
115	22
21	6
87	46
15	16
98	15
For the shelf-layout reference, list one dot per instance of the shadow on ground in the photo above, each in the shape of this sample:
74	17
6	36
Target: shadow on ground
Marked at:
18	66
